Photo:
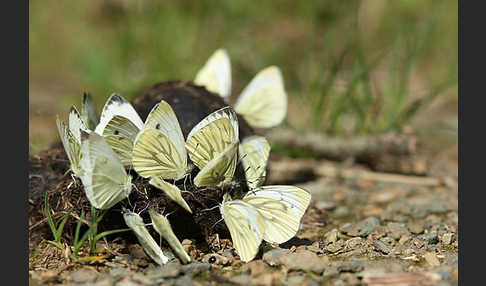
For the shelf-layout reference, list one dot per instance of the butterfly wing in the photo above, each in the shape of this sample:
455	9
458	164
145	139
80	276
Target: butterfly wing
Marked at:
88	112
171	190
263	103
220	169
162	226
135	222
155	155
254	152
120	133
117	105
246	227
212	136
215	75
71	146
76	124
105	180
281	207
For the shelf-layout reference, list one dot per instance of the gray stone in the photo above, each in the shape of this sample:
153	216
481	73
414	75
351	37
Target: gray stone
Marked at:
183	281
304	260
416	227
331	236
326	205
350	266
195	268
447	238
397	230
362	228
242	279
170	270
83	275
118	272
335	247
341	212
382	246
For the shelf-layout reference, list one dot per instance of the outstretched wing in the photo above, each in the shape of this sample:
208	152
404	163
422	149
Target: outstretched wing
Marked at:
281	207
253	152
246	227
263	103
215	75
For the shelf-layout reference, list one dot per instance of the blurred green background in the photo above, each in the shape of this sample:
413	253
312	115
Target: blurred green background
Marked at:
350	67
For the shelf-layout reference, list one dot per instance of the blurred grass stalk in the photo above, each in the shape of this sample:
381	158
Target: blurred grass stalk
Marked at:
370	108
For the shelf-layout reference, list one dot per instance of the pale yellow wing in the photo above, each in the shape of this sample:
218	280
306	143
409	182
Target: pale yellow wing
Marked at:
135	222
104	178
246	227
281	207
254	152
162	226
76	123
71	146
171	190
212	136
220	169
155	155
263	103
215	75
120	134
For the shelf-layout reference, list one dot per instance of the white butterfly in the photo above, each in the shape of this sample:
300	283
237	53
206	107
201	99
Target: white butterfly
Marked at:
71	138
254	152
213	146
263	103
215	75
270	213
117	105
104	178
119	124
162	226
135	222
159	152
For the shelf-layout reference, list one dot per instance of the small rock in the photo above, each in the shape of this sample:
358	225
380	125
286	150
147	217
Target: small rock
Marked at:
335	247
354	242
136	251
432	259
169	270
256	267
331	236
141	278
326	205
183	281
341	212
118	272
382	246
404	239
430	237
304	260
350	266
228	253
362	228
416	228
83	275
215	259
447	238
295	281
242	279
195	268
105	281
127	282
397	230
330	271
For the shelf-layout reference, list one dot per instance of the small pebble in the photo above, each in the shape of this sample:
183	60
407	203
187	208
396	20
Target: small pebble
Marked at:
432	259
382	246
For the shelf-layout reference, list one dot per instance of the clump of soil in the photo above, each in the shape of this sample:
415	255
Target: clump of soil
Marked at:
48	172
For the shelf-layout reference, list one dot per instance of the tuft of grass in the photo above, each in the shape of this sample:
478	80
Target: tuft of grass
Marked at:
56	227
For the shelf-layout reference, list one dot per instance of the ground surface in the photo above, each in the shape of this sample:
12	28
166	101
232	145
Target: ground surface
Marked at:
359	230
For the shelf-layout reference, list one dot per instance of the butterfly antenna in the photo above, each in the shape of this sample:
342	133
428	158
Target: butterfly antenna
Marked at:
169	213
209	209
148	204
216	223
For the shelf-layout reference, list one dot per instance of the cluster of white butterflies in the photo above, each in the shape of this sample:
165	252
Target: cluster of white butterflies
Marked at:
100	151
